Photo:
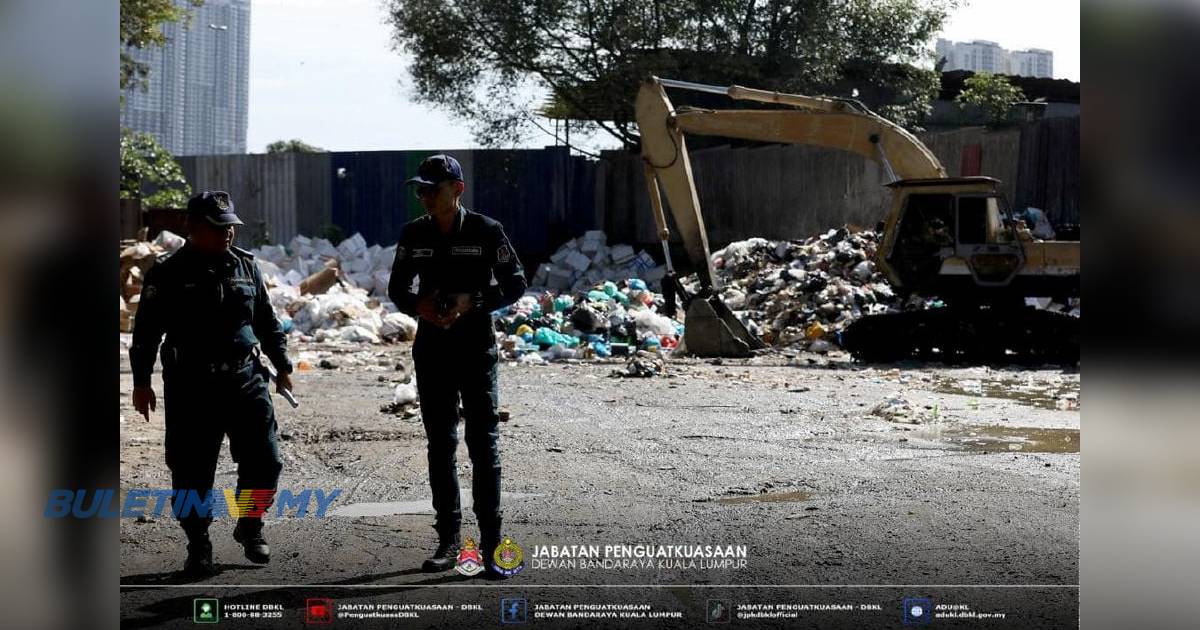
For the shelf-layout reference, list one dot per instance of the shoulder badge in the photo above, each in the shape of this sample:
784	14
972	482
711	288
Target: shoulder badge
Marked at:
401	252
503	254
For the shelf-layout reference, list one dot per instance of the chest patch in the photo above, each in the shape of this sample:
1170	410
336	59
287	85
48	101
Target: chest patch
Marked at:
422	253
466	250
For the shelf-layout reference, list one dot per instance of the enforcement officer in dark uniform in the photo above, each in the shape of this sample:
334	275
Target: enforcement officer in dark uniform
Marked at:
466	269
208	298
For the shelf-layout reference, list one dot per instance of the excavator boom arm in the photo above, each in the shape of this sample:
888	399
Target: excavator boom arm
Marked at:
835	123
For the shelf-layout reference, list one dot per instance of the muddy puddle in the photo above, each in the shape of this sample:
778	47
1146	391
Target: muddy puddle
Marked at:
767	497
1002	439
1062	397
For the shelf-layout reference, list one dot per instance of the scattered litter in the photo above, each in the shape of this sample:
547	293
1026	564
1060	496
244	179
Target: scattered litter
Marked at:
406	394
641	365
897	408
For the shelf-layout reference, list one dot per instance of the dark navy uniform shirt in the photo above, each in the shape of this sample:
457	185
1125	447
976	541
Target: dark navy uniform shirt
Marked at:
212	309
466	260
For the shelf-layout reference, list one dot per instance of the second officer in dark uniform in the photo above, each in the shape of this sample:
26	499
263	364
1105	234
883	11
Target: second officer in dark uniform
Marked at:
465	269
209	300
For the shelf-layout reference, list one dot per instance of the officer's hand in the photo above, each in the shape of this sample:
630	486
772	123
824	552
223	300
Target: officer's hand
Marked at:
428	310
461	303
144	400
282	382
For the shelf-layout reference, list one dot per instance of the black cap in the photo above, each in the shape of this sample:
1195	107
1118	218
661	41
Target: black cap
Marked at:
214	205
436	169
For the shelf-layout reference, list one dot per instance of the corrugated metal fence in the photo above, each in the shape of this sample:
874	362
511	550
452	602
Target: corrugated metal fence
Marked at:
277	195
544	196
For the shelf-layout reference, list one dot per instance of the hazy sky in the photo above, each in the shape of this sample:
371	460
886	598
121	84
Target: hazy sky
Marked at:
323	71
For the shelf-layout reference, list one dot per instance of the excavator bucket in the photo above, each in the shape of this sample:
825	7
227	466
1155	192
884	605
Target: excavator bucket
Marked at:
712	330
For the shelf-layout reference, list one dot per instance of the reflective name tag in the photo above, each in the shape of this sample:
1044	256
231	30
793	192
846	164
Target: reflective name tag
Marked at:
466	250
422	253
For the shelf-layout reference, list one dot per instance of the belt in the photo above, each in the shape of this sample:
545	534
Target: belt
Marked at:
221	367
229	366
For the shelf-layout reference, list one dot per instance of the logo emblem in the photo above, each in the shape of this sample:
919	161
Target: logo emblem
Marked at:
718	611
513	609
318	611
503	254
206	611
509	558
470	561
917	610
222	201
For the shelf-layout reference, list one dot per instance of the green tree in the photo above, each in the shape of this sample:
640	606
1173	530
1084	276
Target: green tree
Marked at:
292	146
150	173
482	59
991	94
141	27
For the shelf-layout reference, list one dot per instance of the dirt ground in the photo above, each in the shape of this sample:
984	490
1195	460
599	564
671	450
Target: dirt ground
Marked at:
969	497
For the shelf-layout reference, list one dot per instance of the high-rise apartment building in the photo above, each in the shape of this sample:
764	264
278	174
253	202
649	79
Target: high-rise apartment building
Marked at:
984	56
197	95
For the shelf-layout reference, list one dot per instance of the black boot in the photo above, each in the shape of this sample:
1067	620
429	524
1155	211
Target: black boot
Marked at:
199	563
249	532
446	555
489	540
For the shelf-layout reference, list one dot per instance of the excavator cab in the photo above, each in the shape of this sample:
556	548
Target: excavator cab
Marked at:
946	232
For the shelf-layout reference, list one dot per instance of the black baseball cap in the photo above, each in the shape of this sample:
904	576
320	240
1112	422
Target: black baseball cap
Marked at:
214	205
436	169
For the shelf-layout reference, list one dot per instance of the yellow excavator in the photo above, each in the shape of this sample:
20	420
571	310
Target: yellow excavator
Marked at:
950	238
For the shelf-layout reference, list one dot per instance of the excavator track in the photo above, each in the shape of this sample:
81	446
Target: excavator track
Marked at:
965	335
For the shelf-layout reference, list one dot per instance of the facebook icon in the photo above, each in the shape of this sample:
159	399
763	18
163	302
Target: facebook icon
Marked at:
512	610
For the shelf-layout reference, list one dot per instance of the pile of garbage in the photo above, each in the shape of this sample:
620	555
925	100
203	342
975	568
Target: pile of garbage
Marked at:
320	292
332	294
801	294
608	320
588	261
304	258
